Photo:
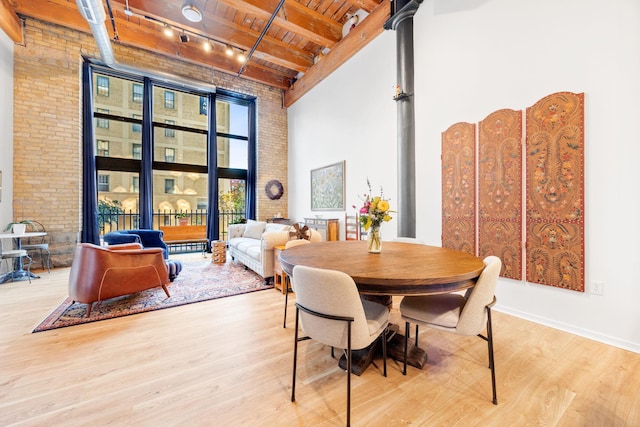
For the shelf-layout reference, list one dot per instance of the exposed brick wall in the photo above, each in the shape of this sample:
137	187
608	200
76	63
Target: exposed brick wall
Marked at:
48	133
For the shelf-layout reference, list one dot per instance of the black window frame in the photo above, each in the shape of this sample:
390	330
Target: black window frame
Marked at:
106	164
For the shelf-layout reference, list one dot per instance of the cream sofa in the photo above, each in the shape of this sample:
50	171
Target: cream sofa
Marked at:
252	244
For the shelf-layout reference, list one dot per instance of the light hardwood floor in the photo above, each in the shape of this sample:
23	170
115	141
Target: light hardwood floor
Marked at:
228	363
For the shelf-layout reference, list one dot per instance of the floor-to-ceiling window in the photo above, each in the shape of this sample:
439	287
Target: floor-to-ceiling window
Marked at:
177	127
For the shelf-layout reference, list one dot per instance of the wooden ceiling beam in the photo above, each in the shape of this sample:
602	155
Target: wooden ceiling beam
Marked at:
10	23
144	38
65	13
58	12
293	17
367	5
270	50
358	38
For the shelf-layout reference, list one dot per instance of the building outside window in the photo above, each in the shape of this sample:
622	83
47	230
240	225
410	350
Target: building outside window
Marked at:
102	85
103	183
103	147
135	184
170	133
137	92
203	105
169	186
170	155
136	151
136	127
169	100
100	122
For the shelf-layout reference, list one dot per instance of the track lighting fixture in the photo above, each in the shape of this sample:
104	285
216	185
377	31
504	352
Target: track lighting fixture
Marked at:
208	44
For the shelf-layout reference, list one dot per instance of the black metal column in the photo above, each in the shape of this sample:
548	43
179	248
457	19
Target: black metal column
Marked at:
402	21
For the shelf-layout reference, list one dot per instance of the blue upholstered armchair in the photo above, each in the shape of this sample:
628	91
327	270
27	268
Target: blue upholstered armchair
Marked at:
147	238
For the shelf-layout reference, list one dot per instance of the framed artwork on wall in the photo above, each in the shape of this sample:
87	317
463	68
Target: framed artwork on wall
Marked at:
327	187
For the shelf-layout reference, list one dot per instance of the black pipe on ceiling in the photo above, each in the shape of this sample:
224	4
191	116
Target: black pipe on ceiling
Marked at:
264	31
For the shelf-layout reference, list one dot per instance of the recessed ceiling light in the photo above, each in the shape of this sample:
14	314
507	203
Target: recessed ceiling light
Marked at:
191	12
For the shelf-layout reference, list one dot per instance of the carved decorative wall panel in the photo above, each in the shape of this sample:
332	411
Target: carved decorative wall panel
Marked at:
500	190
555	191
459	187
553	185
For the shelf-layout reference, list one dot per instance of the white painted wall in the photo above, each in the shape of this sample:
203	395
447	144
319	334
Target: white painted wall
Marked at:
6	129
473	57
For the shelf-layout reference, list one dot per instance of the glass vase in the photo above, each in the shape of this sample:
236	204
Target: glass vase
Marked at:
374	244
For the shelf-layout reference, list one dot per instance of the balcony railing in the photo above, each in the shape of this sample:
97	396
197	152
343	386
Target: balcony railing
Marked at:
118	219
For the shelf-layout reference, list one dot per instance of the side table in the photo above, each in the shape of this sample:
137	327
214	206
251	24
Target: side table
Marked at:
218	251
279	276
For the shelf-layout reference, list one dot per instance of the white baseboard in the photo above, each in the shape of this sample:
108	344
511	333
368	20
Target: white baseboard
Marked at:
616	342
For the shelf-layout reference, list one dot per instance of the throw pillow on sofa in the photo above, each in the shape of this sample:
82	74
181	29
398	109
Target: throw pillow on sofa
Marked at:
254	229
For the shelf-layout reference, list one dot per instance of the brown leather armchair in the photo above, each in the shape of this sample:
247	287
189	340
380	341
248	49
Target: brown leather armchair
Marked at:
99	273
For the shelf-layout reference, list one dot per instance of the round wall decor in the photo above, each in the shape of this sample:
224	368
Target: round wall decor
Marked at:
274	189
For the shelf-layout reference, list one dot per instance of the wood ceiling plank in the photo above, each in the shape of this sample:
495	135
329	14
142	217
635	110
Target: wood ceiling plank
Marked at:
358	38
59	12
367	5
243	37
294	17
10	23
190	52
297	35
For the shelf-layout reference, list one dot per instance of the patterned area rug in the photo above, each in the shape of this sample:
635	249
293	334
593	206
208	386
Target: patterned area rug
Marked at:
198	281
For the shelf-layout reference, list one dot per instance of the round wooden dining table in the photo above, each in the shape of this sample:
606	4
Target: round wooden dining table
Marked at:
400	269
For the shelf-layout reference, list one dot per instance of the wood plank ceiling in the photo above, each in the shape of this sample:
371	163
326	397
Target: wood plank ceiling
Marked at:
303	44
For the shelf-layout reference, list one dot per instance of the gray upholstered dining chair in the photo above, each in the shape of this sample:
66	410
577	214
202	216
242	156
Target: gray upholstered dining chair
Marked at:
458	314
329	310
287	279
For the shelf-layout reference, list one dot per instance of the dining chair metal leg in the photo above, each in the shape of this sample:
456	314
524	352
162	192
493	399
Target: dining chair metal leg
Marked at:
286	301
492	365
384	349
406	345
492	361
295	357
286	281
349	374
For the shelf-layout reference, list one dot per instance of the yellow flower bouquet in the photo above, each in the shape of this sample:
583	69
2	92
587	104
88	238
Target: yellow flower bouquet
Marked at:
374	211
